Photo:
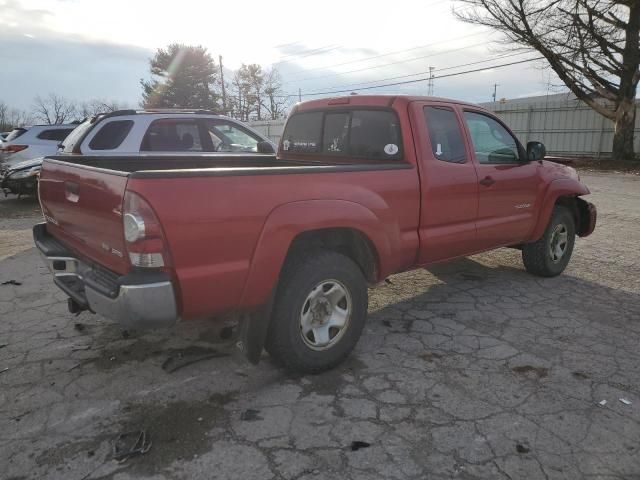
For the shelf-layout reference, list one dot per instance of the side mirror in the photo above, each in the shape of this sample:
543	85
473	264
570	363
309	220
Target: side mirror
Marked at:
265	147
536	151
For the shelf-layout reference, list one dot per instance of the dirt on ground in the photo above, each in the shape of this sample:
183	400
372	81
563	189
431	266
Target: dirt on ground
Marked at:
17	216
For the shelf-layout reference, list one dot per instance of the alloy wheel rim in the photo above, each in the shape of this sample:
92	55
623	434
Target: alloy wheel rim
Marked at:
558	243
325	314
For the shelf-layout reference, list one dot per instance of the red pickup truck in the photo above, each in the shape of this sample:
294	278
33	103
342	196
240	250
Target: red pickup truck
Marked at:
362	187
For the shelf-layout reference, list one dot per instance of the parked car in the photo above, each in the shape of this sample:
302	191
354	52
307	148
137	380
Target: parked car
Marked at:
132	132
27	143
189	132
362	187
21	178
23	148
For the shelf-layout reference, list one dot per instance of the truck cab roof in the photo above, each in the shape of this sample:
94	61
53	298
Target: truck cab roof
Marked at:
374	101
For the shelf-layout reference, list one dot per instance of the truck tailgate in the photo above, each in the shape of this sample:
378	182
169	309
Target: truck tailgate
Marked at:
83	209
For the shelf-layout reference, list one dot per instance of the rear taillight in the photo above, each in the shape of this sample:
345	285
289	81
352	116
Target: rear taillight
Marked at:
14	148
143	234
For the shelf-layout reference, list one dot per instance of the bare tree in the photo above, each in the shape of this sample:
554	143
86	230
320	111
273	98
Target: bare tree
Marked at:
54	109
592	45
244	98
4	113
97	105
273	100
13	117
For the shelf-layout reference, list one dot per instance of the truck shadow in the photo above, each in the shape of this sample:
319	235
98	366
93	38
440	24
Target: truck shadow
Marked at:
462	294
542	317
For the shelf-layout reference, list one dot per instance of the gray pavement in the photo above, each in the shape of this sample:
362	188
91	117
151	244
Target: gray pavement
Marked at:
469	370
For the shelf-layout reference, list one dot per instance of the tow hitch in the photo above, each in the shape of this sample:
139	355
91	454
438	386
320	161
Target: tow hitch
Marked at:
74	307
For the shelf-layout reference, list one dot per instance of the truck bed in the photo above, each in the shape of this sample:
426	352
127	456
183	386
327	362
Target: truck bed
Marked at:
162	166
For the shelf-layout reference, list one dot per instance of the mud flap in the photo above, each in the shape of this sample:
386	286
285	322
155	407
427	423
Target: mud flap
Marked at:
587	217
253	332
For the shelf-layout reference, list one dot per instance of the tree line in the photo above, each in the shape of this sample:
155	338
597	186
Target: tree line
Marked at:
592	45
182	76
54	109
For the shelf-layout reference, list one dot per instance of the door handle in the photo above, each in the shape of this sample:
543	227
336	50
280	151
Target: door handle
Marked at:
487	181
72	191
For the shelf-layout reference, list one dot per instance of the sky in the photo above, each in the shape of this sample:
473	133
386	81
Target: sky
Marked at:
85	49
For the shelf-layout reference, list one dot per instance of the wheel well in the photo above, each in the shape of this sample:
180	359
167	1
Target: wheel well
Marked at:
579	208
570	203
350	242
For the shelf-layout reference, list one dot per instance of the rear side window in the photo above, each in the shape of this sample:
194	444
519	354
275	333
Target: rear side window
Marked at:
58	135
111	135
445	134
372	134
171	135
15	133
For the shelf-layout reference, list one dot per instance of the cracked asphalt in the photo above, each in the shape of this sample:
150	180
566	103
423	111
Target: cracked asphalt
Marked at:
473	369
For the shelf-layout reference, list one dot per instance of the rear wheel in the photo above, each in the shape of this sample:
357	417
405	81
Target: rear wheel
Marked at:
319	311
550	255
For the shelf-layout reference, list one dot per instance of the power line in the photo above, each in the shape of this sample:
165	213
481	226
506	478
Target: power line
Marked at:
308	53
443	52
294	78
499	57
420	79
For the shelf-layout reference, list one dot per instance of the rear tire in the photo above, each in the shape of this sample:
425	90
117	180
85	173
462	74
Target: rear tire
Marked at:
549	256
319	311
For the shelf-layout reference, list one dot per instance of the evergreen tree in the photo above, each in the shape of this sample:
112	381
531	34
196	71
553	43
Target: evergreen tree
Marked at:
183	76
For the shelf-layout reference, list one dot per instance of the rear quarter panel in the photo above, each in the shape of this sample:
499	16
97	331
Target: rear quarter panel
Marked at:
217	226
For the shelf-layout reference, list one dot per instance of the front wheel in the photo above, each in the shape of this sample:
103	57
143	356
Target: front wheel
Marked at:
549	256
319	311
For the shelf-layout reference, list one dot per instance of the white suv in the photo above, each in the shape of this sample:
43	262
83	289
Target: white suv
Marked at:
131	132
128	132
27	143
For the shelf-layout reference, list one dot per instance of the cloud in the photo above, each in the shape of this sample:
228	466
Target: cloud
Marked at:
75	68
38	59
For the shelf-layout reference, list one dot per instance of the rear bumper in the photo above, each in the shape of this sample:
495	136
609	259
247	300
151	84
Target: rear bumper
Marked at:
137	300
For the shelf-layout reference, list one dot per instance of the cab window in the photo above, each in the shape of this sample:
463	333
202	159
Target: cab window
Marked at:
360	133
492	142
302	133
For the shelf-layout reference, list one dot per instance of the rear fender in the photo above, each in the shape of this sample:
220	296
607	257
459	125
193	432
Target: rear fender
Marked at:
556	189
287	221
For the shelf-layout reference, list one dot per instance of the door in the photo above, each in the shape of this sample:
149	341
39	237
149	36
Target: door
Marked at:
448	183
509	186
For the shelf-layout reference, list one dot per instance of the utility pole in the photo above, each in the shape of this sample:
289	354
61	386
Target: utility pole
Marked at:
495	91
430	84
299	94
224	94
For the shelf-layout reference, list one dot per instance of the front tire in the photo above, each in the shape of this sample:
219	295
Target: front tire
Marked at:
319	311
549	256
